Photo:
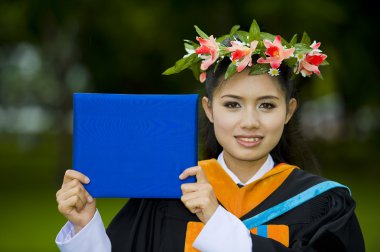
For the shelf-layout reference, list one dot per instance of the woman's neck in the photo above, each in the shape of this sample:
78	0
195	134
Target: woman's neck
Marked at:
243	169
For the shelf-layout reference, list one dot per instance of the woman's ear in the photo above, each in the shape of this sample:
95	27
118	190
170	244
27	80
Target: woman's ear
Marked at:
207	108
292	107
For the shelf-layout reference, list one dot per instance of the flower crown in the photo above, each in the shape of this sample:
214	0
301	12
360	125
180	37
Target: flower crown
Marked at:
303	57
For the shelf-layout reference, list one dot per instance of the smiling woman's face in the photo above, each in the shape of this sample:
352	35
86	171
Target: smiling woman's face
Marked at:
248	113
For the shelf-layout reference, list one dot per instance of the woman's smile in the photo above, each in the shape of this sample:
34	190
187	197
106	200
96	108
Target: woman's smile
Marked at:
249	141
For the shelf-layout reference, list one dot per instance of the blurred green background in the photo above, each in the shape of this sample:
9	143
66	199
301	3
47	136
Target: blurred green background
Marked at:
50	49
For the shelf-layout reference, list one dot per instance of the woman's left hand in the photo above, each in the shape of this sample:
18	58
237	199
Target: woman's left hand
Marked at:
198	197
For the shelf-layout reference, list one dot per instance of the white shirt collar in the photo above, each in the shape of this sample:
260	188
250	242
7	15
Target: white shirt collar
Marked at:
267	166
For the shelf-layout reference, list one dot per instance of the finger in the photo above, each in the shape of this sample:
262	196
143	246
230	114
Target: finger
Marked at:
70	184
194	205
201	176
189	187
74	201
72	174
89	198
204	188
80	204
190	196
78	191
192	171
192	209
71	188
67	206
197	210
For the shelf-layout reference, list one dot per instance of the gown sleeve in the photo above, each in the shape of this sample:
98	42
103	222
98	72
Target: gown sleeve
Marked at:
228	230
92	238
332	226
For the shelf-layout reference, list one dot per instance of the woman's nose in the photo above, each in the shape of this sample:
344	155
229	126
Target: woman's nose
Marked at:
250	120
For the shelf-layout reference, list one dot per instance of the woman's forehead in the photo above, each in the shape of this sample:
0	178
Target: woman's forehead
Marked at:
248	86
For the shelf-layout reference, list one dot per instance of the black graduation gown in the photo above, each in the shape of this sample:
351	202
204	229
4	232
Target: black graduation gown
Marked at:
324	223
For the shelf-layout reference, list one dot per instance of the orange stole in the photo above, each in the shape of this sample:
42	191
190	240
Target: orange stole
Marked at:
192	232
279	233
239	201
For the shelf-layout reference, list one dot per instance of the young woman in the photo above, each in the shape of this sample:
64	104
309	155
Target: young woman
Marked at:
247	199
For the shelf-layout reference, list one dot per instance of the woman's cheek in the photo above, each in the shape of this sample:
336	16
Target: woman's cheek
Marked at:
224	122
224	127
274	125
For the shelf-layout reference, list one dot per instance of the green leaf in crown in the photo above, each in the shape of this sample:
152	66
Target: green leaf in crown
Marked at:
273	50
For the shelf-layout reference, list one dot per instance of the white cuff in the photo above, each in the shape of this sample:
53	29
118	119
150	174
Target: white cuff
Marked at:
224	232
92	237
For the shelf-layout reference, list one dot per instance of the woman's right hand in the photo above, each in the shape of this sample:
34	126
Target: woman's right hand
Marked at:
74	202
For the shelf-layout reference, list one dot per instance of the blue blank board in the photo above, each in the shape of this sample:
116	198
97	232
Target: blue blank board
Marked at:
135	146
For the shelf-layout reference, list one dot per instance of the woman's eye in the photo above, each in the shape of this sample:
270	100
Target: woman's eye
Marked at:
267	106
232	105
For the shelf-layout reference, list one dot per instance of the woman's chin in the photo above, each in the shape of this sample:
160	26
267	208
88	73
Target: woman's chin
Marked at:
248	156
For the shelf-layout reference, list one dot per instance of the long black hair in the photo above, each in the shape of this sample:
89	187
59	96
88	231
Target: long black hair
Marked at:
291	148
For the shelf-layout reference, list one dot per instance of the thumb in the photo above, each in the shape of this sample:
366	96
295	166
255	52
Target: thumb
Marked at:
201	176
196	171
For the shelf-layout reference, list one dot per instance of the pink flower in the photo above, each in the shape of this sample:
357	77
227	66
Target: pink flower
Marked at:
315	46
241	54
202	77
276	52
208	51
309	64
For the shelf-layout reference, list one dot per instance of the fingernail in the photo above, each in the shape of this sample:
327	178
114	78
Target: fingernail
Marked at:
89	198
180	176
87	180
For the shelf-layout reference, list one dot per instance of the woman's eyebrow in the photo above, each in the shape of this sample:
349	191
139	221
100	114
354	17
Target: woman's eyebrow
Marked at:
265	97
232	96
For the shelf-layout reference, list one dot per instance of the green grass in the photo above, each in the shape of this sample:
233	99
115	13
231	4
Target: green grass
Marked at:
365	192
30	219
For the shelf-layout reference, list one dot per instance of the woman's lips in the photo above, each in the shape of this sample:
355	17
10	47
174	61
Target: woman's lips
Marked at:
249	141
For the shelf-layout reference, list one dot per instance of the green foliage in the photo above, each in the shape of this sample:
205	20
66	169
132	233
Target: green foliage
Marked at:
325	63
301	48
220	39
201	33
230	71
293	41
190	45
243	36
271	37
254	31
234	29
223	51
305	39
266	35
196	70
182	64
291	62
259	69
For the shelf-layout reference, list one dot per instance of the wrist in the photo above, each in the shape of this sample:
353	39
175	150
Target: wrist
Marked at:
77	228
79	224
210	212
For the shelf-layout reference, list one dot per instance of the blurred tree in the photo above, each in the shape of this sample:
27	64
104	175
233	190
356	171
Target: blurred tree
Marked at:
124	46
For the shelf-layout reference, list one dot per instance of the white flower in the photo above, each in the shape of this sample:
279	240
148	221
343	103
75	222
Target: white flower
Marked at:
274	72
300	57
